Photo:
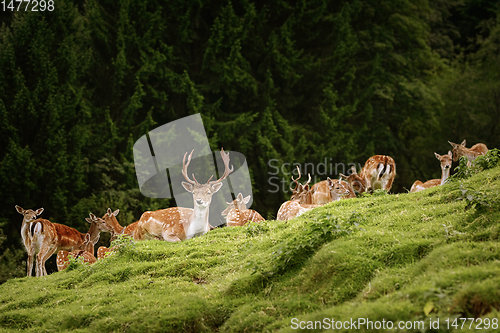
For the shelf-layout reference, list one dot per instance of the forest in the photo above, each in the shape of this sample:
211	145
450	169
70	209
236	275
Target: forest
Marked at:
282	81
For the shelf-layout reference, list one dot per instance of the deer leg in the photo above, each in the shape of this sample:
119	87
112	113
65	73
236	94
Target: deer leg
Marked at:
43	255
30	263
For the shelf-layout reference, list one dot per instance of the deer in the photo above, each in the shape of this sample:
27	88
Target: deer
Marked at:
116	230
237	214
340	189
331	190
379	172
48	237
179	223
62	259
357	182
445	173
299	203
29	216
471	153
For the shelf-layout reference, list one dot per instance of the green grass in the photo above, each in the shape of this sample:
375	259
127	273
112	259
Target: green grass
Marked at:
406	257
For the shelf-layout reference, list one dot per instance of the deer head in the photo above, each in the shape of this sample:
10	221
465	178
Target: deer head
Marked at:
457	149
29	214
239	203
357	183
202	193
337	189
445	160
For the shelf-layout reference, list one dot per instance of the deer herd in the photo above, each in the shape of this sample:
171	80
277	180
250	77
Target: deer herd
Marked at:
43	238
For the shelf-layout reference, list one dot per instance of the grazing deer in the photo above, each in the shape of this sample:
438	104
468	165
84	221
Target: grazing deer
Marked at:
116	229
445	173
29	216
379	172
237	214
48	237
471	153
179	223
62	259
357	182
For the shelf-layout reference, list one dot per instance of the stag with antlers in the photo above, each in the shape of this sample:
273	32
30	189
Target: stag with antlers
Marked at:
179	223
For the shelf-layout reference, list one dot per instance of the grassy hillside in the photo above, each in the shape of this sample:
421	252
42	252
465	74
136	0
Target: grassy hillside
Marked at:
407	257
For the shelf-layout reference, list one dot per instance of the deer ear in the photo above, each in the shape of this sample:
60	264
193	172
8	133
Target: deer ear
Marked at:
116	212
188	187
88	220
353	170
92	216
450	153
39	211
343	176
109	211
240	197
463	143
454	145
19	209
437	155
216	187
246	199
330	182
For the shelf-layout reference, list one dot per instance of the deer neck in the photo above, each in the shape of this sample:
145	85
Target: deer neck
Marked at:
445	173
198	222
25	231
117	228
93	236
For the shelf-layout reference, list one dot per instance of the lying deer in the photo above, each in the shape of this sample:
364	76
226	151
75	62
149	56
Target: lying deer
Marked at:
116	229
331	190
356	181
237	214
445	173
48	237
471	153
379	172
179	223
62	259
299	203
29	216
340	189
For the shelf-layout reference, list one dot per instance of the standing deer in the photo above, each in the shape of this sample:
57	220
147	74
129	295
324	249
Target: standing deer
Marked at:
379	172
116	229
179	223
48	237
237	213
357	182
471	153
29	216
62	259
445	173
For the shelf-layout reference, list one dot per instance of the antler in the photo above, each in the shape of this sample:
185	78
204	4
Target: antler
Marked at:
308	181
296	180
227	170
185	166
